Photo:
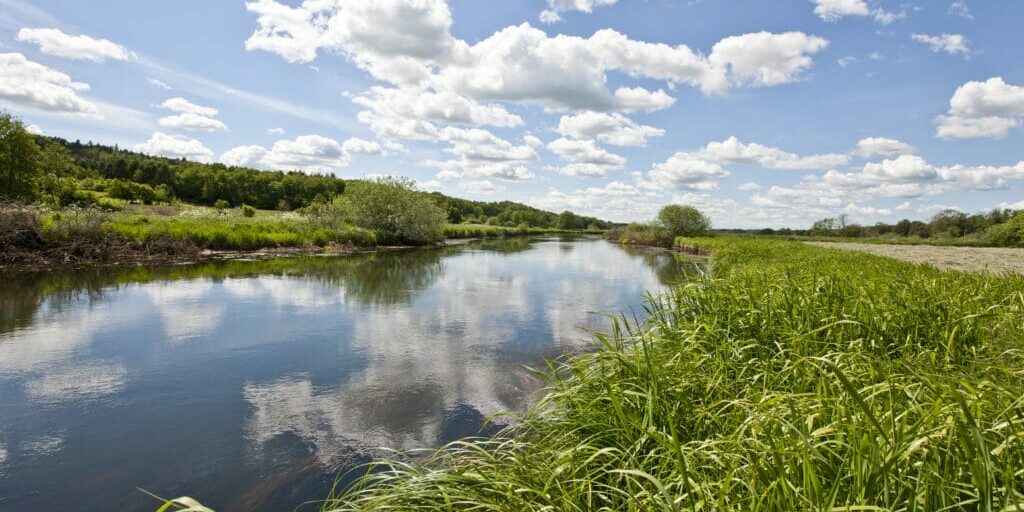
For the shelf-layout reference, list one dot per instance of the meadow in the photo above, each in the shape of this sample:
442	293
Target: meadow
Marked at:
792	378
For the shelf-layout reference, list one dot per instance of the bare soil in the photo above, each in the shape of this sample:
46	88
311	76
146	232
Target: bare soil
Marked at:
997	260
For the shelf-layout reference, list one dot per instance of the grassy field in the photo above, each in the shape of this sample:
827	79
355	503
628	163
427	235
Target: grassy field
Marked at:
795	378
968	259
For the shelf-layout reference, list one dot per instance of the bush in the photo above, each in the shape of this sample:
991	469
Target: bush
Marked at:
221	205
248	211
1008	234
682	220
641	234
392	207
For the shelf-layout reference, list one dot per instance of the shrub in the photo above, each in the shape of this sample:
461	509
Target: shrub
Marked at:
248	211
682	220
221	205
393	207
1007	234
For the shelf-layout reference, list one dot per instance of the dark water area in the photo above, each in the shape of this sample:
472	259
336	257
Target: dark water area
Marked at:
253	385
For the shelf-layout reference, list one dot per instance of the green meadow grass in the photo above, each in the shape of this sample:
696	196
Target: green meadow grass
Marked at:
793	378
236	233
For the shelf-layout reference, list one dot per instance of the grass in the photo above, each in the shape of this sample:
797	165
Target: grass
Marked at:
795	378
236	233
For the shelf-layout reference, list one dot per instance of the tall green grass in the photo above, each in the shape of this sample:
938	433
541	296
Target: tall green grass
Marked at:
794	378
237	233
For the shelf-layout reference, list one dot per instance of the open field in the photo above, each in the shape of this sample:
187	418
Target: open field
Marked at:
968	259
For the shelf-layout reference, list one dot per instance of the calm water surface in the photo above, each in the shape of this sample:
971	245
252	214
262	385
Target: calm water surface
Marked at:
252	385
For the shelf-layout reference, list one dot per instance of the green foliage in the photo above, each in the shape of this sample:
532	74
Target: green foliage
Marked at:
131	191
508	213
949	226
682	220
794	378
394	208
19	160
653	234
221	205
234	233
248	211
1007	234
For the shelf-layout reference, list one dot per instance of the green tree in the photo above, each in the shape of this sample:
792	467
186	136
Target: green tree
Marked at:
19	160
394	207
682	220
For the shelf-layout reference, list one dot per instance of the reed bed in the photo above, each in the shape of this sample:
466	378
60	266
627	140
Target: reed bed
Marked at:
793	378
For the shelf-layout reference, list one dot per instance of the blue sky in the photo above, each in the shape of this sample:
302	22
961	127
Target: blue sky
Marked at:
761	113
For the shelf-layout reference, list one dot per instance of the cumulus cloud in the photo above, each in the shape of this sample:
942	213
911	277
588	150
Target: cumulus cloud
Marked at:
408	43
363	146
479	153
733	151
275	131
764	59
983	109
33	85
586	159
952	44
556	7
305	152
684	171
172	146
190	116
411	113
960	9
882	146
615	128
52	41
834	10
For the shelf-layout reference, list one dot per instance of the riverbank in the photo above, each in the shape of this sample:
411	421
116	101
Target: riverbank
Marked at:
796	378
32	237
967	259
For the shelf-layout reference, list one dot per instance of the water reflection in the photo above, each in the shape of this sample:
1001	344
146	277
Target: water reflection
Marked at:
249	384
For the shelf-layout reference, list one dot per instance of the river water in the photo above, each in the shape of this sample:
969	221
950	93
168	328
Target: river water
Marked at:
254	385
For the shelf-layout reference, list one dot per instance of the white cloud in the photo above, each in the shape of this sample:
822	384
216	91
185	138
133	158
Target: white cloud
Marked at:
52	41
684	171
983	109
181	105
750	185
764	59
190	116
615	129
833	10
35	129
193	122
555	7
903	169
408	43
305	152
882	146
733	151
275	131
960	9
357	145
586	159
172	146
480	153
392	40
33	85
411	113
952	44
158	83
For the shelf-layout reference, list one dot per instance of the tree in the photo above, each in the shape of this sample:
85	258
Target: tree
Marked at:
393	206
19	160
682	220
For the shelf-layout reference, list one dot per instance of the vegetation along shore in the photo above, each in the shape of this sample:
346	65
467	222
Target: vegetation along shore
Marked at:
66	202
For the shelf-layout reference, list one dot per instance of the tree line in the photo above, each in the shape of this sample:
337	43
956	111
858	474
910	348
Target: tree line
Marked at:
63	173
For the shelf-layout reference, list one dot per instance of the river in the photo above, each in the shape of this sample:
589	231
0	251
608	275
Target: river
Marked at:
252	385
